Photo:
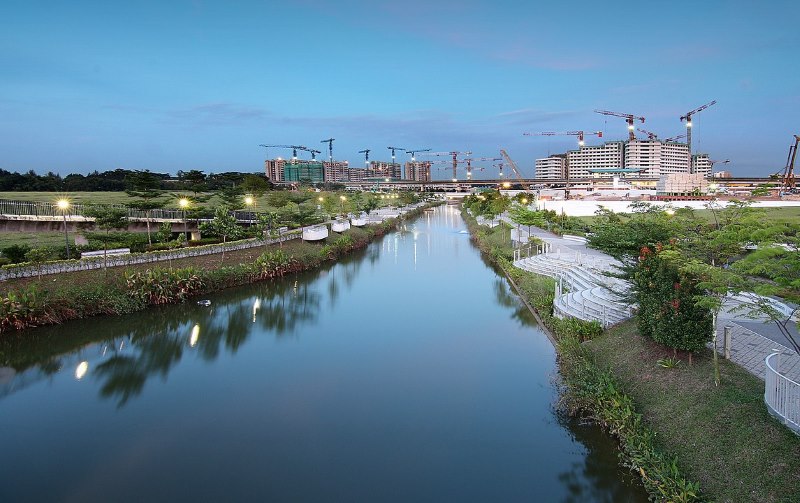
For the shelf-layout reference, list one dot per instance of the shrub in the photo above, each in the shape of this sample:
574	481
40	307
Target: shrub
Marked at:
162	286
16	253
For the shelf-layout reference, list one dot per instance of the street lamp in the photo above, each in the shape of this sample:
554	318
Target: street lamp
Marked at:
343	199
184	203
63	206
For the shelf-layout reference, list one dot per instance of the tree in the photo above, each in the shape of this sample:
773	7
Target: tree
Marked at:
223	225
232	197
38	256
266	224
522	215
256	185
145	186
107	218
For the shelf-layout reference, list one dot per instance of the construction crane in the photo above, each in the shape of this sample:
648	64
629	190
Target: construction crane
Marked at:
688	119
329	141
366	152
393	151
629	118
294	148
511	163
455	155
413	152
676	138
500	166
650	134
469	163
788	172
711	163
313	153
579	134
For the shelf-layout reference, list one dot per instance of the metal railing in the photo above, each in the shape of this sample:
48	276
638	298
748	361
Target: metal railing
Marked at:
781	394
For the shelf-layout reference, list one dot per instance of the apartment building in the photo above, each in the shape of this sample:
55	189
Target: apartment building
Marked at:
606	156
381	169
551	168
337	171
274	169
418	171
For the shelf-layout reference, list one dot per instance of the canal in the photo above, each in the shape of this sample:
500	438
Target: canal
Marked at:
406	372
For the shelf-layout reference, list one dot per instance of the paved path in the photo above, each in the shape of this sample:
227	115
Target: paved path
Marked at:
751	341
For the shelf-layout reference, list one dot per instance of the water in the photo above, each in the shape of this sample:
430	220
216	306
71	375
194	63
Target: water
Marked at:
406	372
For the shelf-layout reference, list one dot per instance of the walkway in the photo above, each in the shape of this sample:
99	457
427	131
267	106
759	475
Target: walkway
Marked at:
752	340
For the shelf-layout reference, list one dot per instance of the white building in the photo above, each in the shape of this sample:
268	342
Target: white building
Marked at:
674	158
701	164
644	155
606	156
551	168
682	184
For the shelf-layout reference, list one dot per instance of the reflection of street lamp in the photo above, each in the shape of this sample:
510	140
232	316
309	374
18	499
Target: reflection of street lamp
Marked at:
669	211
63	205
343	199
525	200
506	185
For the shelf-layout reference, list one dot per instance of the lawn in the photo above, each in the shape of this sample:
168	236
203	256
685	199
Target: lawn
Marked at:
722	436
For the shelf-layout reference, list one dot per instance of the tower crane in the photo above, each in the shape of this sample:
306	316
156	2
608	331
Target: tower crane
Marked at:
788	172
629	118
329	141
393	150
512	164
413	152
579	134
650	134
711	163
470	159
455	155
366	152
688	119
313	153
676	138
294	148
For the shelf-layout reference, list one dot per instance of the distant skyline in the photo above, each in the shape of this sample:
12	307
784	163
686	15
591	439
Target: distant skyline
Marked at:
181	85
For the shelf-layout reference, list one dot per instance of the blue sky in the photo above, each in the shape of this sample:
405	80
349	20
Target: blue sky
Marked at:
179	85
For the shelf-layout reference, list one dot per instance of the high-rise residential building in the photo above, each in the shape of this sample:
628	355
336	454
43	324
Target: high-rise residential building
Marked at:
701	164
337	171
274	169
644	155
380	169
418	171
304	171
606	156
551	168
674	158
357	174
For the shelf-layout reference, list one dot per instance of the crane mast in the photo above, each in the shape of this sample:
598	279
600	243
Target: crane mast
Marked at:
688	119
511	163
788	172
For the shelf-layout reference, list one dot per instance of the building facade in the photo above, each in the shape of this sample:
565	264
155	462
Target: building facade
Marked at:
380	169
274	169
304	171
418	171
606	156
357	174
701	164
551	168
337	171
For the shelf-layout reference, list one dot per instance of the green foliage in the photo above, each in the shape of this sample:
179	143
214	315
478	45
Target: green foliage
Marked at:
38	256
162	286
20	310
622	238
668	312
594	391
668	363
16	253
275	263
222	225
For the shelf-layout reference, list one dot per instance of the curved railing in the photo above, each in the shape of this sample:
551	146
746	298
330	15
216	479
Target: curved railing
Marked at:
781	394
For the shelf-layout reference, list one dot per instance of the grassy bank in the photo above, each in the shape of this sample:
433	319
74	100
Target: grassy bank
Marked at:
30	302
677	430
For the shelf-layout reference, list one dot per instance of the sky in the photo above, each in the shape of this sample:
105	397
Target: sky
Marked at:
200	84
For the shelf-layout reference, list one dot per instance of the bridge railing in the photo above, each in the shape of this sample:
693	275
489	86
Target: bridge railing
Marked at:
781	394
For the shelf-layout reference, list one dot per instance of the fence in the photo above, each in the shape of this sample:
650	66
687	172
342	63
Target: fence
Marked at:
781	394
24	271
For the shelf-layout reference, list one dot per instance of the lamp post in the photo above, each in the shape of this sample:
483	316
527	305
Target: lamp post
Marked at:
184	203
63	206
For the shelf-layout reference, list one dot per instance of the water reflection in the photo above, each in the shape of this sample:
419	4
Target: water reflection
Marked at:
121	356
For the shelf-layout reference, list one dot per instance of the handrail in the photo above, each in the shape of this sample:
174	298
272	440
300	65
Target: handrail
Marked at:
781	394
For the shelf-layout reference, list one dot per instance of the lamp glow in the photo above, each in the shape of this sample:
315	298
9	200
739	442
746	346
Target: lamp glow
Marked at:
195	336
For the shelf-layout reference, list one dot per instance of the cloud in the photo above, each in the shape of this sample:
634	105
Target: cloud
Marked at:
218	114
533	116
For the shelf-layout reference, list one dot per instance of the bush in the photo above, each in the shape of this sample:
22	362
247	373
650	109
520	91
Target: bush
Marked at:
16	253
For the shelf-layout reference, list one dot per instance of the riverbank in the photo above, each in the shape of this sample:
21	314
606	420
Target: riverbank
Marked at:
30	302
616	379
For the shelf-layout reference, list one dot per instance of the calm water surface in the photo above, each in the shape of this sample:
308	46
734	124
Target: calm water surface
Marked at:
407	372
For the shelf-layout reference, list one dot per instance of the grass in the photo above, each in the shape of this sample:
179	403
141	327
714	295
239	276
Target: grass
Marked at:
722	436
777	214
33	239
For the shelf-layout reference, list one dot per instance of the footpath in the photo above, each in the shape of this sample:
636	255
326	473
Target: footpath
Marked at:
752	340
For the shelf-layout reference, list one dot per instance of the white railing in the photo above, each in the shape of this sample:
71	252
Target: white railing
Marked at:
781	394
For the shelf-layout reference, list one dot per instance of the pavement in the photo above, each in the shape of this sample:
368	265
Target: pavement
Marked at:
752	340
